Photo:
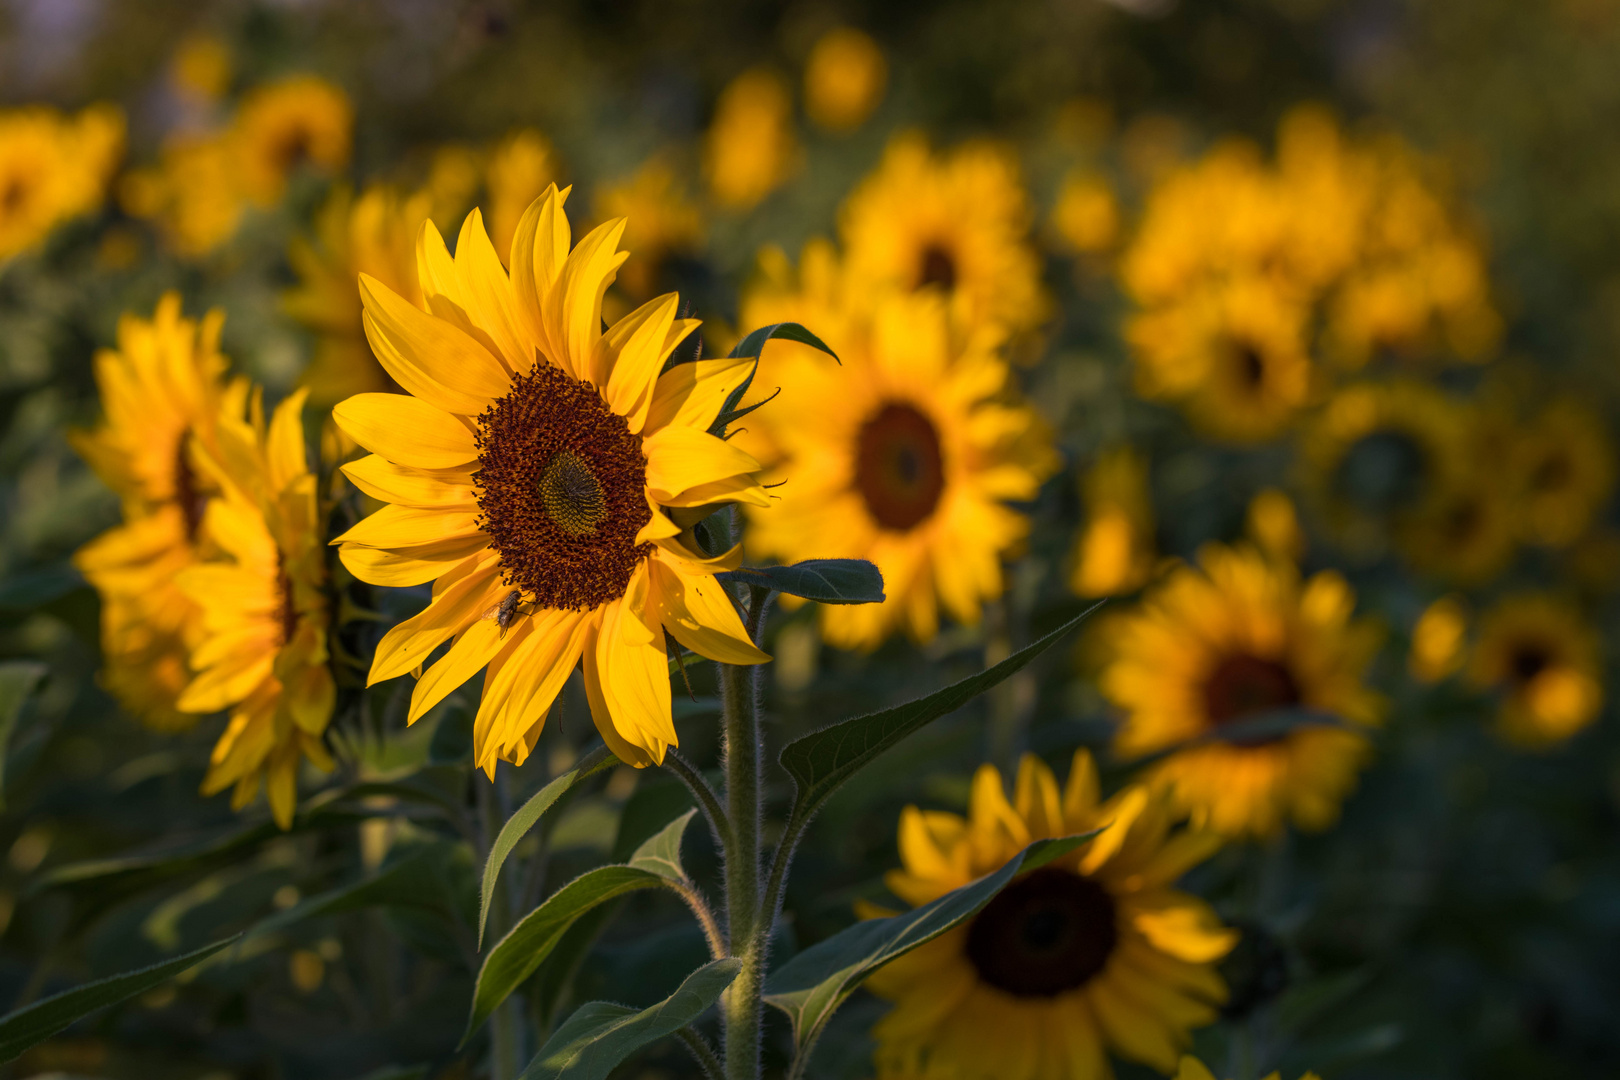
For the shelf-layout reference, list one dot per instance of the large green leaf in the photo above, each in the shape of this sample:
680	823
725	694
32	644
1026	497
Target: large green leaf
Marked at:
810	987
516	956
661	853
822	760
826	581
518	825
600	1035
17	680
39	1021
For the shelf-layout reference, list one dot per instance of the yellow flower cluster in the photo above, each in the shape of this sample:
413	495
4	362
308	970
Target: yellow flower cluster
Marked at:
1244	271
53	168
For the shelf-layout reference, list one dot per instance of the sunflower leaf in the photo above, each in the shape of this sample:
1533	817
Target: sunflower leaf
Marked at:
30	1026
810	987
518	825
17	680
821	761
826	581
525	947
661	853
600	1035
754	345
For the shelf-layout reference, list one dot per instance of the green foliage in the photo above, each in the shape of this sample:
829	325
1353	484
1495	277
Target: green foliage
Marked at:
17	680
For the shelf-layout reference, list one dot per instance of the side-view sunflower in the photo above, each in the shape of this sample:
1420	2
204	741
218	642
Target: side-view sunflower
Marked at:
1193	1069
297	122
262	649
1545	659
1233	640
1095	953
162	391
957	222
1114	552
906	455
53	168
528	467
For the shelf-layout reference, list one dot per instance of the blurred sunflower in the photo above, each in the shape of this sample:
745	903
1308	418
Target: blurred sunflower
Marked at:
1086	217
193	194
53	168
376	235
281	127
1237	639
1092	953
750	148
1544	658
528	467
262	648
520	168
844	79
1272	523
1439	640
1565	473
956	222
1114	552
1193	1069
905	455
1232	356
661	223
163	392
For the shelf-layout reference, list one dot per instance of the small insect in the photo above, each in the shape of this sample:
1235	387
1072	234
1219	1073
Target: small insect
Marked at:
508	609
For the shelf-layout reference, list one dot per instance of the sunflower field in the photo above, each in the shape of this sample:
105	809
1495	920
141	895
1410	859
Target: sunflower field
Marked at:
1034	540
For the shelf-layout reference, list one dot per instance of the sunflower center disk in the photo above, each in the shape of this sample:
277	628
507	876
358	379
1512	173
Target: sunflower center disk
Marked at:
1528	661
1048	932
561	489
936	267
1243	686
1383	471
899	468
192	503
1249	364
289	606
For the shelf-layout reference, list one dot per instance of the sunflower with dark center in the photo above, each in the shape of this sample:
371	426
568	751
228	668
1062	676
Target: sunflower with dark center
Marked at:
1544	659
282	127
1094	954
906	454
262	649
163	392
1215	656
535	453
1565	466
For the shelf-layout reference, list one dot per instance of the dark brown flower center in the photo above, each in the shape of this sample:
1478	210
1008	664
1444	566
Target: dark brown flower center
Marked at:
191	501
13	195
1553	473
1243	686
1528	660
1048	932
899	467
561	488
1248	363
937	267
291	149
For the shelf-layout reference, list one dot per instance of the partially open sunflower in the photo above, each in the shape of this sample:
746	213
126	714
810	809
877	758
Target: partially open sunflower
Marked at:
529	466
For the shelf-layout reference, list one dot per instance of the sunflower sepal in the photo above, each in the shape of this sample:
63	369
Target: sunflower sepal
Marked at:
811	987
753	345
826	581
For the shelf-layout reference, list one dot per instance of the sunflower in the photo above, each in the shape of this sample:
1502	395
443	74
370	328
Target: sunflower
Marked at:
376	235
1086	218
193	193
1466	534
528	466
1233	356
663	224
1565	473
1114	552
1234	640
521	167
1193	1069
53	168
1439	640
1091	954
262	651
844	79
906	454
287	125
957	222
163	393
750	147
1272	523
1544	659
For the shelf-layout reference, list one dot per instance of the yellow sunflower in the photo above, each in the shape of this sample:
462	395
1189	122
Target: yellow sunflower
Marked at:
1114	552
957	222
1565	473
528	466
1233	356
1193	1069
1466	534
1234	639
844	79
906	454
193	193
53	168
262	648
287	125
374	234
1439	640
750	148
1094	953
521	167
1272	523
662	223
163	392
1086	218
1545	659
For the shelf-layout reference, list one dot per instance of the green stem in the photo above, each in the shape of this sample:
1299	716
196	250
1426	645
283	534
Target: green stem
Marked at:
506	1024
703	1053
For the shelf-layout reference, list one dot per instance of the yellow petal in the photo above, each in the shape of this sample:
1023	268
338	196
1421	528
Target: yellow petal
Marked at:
680	459
576	303
701	616
691	395
461	599
430	357
376	566
382	479
285	452
487	294
634	672
406	430
635	353
401	528
476	647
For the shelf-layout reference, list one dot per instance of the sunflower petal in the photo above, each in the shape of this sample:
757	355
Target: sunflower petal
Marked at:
430	357
461	599
680	459
406	430
384	480
701	616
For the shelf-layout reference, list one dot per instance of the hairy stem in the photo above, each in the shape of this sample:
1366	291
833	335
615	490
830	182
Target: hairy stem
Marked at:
703	1053
699	904
707	800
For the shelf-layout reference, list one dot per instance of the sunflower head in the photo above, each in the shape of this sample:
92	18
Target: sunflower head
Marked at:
1543	658
662	223
1225	644
194	193
296	123
1114	552
1094	953
53	168
750	148
844	79
1565	470
539	456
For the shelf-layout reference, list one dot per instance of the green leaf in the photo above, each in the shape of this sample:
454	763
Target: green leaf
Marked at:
519	824
810	987
822	760
39	586
600	1035
754	345
661	853
516	956
408	883
826	581
17	680
33	1025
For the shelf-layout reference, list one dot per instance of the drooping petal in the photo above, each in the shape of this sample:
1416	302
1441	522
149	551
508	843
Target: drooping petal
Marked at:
458	601
476	647
697	611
